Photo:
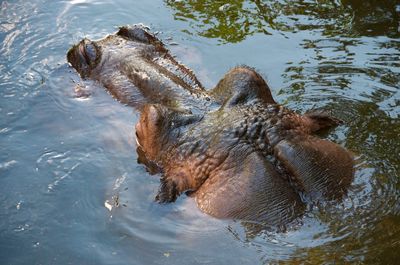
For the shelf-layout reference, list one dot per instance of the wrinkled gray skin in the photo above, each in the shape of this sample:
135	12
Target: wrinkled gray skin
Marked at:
239	153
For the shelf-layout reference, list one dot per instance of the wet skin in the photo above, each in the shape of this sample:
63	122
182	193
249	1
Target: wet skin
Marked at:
233	148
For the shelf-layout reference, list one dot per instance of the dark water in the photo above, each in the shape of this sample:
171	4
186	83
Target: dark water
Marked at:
62	157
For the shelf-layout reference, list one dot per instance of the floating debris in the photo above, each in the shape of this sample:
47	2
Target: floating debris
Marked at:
116	200
113	203
108	205
119	181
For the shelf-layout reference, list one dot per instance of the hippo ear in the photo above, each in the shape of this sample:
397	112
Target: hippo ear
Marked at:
321	120
242	85
323	169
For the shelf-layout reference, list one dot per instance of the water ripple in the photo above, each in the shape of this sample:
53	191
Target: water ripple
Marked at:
63	157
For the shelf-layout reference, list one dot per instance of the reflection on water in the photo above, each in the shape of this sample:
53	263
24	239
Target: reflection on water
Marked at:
233	21
67	147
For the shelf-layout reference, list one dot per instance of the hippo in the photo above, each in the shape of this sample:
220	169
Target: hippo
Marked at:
232	148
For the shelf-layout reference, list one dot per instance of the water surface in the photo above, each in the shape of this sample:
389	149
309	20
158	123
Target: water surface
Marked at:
63	156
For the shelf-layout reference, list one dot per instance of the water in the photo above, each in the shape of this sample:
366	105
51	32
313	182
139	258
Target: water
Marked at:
64	158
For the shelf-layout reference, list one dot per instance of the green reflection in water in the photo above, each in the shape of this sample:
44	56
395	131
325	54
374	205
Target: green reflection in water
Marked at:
232	21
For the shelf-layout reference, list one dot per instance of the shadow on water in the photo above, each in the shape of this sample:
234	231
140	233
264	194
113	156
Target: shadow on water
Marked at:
233	21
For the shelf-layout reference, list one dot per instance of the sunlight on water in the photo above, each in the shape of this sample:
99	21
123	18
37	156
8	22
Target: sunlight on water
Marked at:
72	191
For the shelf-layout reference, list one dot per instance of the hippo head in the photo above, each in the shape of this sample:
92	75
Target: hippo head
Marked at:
249	162
214	157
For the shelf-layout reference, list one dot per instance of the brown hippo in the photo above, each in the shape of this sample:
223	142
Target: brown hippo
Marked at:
239	153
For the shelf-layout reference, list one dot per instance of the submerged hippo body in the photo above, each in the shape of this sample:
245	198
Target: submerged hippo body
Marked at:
239	153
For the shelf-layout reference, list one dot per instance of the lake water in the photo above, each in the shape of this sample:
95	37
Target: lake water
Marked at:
63	157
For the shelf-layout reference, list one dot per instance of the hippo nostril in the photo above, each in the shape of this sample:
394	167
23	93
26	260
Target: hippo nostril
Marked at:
90	53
